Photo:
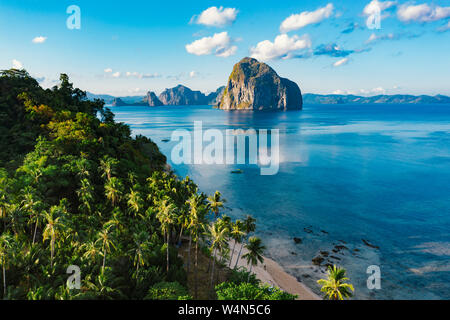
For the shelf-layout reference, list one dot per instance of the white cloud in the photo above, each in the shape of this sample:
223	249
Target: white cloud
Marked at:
422	13
219	44
16	64
445	27
341	62
193	74
108	70
297	21
39	39
217	17
283	47
116	74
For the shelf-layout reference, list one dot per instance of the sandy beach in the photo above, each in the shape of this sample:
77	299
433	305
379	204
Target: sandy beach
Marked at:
271	273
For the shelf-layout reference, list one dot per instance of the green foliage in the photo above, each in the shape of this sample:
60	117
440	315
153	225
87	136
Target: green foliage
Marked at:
249	291
167	291
335	286
242	275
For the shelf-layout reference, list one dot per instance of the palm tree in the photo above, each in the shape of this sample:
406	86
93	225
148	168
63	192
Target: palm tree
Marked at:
106	243
216	203
134	201
85	194
107	166
113	190
335	286
5	246
54	227
141	244
218	238
249	225
165	216
255	250
237	235
196	227
91	250
30	204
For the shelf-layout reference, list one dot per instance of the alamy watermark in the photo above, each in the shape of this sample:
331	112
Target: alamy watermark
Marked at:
374	280
74	20
74	280
230	148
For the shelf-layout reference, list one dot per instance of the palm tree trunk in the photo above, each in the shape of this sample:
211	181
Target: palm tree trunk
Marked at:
250	272
189	255
212	270
179	237
104	259
232	253
52	249
35	231
196	269
4	281
167	252
237	259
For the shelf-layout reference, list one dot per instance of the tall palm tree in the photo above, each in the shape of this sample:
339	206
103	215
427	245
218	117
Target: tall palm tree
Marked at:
113	190
30	204
106	242
5	246
140	246
91	251
166	217
218	242
237	234
216	202
255	250
249	225
85	195
335	286
54	228
134	201
108	167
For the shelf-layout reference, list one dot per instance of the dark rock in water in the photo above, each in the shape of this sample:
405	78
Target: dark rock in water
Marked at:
367	243
335	258
356	250
306	275
307	230
342	241
293	253
317	260
324	253
254	85
323	231
297	240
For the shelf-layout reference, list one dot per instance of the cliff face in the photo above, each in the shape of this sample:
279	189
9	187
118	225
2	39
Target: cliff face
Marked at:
152	100
117	102
213	99
255	86
181	95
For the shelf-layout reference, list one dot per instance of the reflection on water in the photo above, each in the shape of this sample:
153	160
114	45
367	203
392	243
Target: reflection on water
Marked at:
347	173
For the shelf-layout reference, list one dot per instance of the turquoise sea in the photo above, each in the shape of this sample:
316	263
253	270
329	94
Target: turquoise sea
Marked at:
348	172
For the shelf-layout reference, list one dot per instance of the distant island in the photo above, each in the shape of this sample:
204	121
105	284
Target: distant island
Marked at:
253	85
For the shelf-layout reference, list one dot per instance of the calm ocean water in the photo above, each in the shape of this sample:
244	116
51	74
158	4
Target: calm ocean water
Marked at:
347	173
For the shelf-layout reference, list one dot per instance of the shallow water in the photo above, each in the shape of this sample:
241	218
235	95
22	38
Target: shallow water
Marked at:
347	173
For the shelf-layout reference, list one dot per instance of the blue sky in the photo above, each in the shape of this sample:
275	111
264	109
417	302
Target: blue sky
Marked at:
128	48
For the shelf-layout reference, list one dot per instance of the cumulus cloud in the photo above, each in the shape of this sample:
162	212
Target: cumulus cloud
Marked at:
16	64
297	21
39	39
284	47
422	13
219	44
332	50
108	70
341	62
193	74
116	74
216	17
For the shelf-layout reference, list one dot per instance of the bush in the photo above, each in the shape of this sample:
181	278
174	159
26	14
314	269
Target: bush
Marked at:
241	275
248	291
167	291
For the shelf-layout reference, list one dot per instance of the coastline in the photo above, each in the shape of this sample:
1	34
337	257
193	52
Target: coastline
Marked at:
271	273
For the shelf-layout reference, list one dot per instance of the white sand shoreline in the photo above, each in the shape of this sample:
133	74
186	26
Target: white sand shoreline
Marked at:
271	273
